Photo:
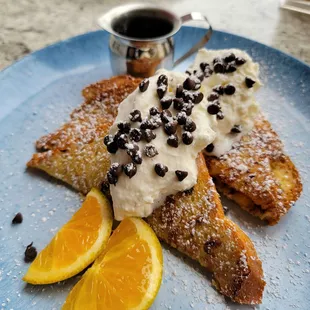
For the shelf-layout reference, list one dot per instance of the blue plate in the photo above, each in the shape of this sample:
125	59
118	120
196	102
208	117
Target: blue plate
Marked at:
37	95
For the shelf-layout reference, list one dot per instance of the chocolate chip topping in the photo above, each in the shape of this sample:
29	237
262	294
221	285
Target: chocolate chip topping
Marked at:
161	90
229	89
166	116
187	138
18	218
135	116
148	135
122	141
204	65
162	79
173	140
187	96
181	118
249	82
192	83
165	103
30	253
137	158
236	129
112	147
108	139
240	61
143	86
218	65
208	72
231	57
231	68
112	179
132	149
210	147
171	127
146	124
130	169
178	104
188	107
161	170
189	125
154	111
220	115
200	75
213	96
198	96
179	91
219	89
124	127
135	135
150	151
213	109
181	175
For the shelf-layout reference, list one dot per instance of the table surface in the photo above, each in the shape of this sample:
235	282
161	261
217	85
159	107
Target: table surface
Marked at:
29	25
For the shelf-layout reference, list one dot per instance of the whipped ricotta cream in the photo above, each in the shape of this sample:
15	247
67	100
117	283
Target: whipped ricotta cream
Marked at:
239	109
146	189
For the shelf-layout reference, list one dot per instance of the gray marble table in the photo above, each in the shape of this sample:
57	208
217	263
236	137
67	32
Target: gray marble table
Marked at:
28	25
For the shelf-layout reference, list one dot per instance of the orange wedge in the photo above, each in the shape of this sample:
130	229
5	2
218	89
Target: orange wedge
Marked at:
76	245
127	275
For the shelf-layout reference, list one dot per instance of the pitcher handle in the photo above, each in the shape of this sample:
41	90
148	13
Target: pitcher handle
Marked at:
202	42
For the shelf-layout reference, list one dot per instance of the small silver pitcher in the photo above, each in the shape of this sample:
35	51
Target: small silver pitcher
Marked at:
141	38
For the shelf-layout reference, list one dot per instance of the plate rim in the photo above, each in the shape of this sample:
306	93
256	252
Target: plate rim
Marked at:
80	36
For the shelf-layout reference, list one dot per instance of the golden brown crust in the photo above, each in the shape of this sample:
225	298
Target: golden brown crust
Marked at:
257	174
195	224
75	153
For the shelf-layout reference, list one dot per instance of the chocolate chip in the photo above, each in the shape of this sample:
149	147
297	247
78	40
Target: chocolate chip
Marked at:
188	72
218	66
181	118
166	116
208	72
231	57
161	90
216	59
220	115
112	179
155	122
135	135
240	61
162	79
130	169
112	147
198	96
213	96
148	135
213	109
189	125
187	138
219	89
124	127
146	124
150	151
200	75
115	169
210	245
122	141
165	103
178	104
189	84
249	82
135	116
210	147
179	91
229	89
137	158
161	170
181	175
30	253
236	129
105	187
173	140
171	127
143	86
154	111
132	149
18	218
204	65
230	68
108	139
188	107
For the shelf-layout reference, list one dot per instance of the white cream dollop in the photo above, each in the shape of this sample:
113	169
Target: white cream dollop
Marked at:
240	108
145	191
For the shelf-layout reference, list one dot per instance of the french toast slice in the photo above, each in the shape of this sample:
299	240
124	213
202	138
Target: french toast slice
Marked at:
75	153
194	223
257	174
